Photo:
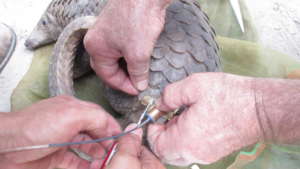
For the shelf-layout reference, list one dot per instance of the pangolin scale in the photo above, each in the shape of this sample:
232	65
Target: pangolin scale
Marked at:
187	45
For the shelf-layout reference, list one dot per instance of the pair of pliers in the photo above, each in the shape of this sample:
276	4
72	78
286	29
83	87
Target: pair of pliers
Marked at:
237	11
108	157
111	152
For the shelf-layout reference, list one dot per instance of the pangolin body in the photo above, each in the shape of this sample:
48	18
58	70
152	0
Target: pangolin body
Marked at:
185	46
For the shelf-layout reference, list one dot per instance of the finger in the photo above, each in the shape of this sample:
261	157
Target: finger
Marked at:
7	164
165	141
98	152
131	143
95	150
96	122
138	69
128	151
72	161
183	93
149	160
109	70
104	60
96	164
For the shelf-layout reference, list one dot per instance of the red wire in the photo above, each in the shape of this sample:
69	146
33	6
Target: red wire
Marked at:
107	158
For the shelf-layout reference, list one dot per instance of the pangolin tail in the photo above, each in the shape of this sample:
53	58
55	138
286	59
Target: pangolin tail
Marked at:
62	59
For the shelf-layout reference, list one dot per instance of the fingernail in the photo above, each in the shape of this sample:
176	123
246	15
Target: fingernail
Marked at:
138	132
142	85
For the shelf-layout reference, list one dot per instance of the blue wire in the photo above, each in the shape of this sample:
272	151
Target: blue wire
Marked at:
102	139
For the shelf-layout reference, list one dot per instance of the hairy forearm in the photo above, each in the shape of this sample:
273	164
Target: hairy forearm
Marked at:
278	109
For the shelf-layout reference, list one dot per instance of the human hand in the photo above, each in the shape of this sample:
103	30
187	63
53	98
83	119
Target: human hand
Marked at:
126	29
220	118
55	120
131	154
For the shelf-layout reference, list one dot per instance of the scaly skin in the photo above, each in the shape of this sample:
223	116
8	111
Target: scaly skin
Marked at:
185	46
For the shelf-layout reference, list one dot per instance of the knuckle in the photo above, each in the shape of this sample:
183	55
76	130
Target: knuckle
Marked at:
138	56
138	70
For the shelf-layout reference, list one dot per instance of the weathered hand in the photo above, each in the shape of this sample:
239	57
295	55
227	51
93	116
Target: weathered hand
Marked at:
55	120
220	118
131	154
126	29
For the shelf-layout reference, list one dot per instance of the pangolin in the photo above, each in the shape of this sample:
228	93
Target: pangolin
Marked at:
186	45
57	16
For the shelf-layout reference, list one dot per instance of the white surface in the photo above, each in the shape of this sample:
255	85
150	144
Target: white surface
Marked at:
195	167
21	15
278	24
277	21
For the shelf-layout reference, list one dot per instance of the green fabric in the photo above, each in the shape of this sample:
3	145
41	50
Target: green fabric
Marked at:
240	55
272	157
34	85
250	59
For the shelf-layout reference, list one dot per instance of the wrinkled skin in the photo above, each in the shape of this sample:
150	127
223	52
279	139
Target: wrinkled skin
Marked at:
136	27
55	120
219	120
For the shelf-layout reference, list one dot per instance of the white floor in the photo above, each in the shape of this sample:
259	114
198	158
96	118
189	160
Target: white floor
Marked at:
278	22
21	15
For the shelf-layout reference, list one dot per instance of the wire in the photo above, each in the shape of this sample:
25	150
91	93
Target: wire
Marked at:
74	143
101	139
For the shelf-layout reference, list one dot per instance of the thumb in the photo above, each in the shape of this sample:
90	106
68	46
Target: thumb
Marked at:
154	132
164	141
131	143
128	150
149	160
182	93
138	70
